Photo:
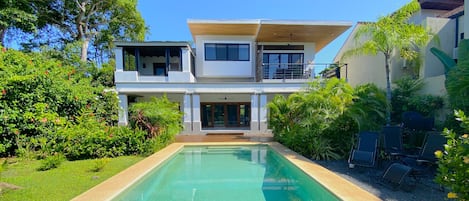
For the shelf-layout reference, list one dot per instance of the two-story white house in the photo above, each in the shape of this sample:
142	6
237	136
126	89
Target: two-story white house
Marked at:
224	80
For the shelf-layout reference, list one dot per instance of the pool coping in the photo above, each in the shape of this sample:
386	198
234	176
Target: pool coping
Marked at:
111	187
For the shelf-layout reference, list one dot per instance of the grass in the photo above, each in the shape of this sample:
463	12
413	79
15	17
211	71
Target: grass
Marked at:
70	179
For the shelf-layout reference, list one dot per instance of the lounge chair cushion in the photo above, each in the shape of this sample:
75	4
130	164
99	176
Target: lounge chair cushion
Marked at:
363	158
395	174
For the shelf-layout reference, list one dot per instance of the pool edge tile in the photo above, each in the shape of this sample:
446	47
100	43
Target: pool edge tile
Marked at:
111	187
345	191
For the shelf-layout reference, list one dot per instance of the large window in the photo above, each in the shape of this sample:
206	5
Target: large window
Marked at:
226	52
283	65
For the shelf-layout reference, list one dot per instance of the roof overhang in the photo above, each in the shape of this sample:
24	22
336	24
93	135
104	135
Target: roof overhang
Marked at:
441	4
152	44
319	32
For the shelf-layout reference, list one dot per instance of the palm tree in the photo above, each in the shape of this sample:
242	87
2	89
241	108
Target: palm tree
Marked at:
390	33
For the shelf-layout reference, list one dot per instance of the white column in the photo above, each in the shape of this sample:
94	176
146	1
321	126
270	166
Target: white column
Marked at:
254	113
196	125
186	59
187	109
123	110
263	113
118	51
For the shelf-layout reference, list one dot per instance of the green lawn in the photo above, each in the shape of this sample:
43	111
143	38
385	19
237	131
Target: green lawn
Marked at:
69	180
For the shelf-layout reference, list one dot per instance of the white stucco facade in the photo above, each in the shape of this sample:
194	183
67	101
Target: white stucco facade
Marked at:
229	90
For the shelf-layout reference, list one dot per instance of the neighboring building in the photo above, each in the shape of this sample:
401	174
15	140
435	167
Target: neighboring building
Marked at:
225	80
444	18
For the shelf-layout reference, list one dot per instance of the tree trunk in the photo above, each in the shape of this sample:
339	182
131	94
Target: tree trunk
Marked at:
388	89
84	49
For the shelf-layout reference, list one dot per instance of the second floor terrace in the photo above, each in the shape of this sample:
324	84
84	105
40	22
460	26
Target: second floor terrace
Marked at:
154	62
157	62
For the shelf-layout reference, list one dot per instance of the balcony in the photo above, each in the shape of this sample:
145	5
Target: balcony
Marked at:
275	72
164	62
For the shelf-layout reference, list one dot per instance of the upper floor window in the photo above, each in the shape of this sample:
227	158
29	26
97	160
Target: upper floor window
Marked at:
226	52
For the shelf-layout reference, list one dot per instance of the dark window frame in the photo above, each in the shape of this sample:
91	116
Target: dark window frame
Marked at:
227	47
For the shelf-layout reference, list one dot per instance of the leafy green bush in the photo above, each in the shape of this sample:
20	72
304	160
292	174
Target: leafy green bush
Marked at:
406	98
90	138
453	163
457	83
156	117
51	162
99	164
320	123
40	95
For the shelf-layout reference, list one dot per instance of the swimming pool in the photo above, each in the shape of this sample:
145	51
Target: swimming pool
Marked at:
119	183
254	172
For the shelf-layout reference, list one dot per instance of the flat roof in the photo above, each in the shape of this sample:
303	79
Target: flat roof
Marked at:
265	30
152	43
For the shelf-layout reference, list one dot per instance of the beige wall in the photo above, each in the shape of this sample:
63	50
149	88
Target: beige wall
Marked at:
445	29
366	69
434	85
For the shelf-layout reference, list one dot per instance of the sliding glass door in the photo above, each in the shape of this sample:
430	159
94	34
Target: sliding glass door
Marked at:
220	115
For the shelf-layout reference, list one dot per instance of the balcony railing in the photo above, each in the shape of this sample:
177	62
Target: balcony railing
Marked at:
285	71
292	70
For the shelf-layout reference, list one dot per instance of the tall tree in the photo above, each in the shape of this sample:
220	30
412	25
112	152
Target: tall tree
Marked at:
100	22
17	14
390	33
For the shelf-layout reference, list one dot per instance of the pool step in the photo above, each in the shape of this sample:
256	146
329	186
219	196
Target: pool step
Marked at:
217	149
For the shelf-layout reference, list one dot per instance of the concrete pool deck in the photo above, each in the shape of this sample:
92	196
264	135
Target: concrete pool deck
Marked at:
342	188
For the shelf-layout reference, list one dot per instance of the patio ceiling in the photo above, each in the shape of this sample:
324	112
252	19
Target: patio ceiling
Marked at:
320	33
441	4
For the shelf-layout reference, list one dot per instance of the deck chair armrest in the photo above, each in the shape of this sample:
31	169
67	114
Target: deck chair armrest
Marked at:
420	161
397	154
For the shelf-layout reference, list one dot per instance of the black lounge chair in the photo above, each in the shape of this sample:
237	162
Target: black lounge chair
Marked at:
365	153
415	121
426	158
392	141
395	176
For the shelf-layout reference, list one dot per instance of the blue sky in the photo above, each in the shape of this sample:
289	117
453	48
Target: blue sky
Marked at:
167	19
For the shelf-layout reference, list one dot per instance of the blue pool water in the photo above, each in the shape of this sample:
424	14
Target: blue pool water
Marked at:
224	173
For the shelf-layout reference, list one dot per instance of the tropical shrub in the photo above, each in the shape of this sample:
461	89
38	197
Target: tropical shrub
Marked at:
453	163
90	138
157	116
99	164
51	162
321	122
406	98
457	83
40	95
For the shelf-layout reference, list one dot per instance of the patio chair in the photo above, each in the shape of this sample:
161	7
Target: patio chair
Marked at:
392	141
426	158
415	121
395	176
366	150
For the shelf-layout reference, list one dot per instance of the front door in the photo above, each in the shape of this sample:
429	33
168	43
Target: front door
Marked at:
225	115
